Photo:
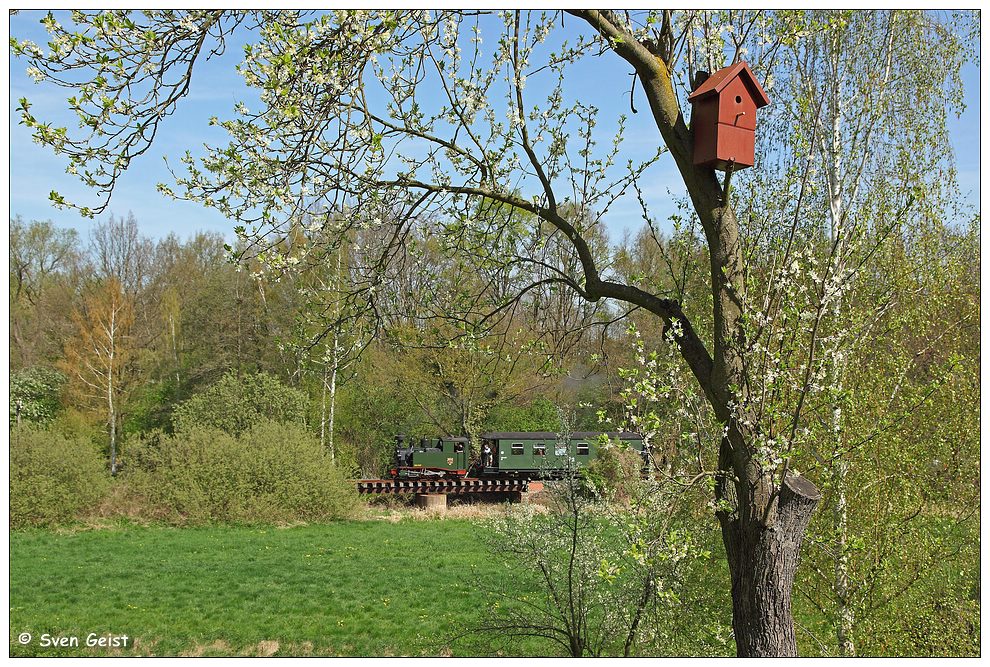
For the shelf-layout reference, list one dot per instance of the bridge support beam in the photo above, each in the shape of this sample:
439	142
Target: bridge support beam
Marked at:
432	501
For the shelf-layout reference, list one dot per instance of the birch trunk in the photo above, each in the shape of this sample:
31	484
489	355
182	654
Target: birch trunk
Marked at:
333	391
175	348
323	410
111	406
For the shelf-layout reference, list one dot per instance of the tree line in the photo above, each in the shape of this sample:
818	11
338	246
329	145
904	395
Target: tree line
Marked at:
121	333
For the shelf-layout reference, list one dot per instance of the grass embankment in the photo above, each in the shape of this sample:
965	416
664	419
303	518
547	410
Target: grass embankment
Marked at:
348	588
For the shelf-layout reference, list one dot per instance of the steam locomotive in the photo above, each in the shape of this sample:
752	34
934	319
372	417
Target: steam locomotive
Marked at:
530	455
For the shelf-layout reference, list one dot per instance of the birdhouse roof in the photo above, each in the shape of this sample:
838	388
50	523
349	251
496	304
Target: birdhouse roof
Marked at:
717	82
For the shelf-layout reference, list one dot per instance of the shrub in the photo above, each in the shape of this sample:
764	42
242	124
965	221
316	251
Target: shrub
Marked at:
940	627
271	473
616	473
38	391
75	424
606	581
149	406
234	404
369	443
52	478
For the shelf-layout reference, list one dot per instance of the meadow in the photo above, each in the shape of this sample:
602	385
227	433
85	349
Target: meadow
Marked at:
354	588
404	583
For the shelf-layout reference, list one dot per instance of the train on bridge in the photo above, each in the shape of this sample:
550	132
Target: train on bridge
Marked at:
506	461
530	455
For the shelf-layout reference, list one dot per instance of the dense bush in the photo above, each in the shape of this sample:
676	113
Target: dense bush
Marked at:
616	473
234	404
52	478
76	424
369	443
271	473
150	405
35	394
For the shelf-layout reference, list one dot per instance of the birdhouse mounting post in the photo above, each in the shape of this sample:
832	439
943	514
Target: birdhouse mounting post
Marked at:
725	183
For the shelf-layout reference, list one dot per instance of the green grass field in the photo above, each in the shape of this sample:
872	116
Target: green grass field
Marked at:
368	588
349	588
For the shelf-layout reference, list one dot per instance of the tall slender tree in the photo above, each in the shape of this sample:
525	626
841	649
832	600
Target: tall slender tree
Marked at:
99	358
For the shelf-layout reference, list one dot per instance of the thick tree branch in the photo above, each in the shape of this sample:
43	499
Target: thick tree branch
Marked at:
669	310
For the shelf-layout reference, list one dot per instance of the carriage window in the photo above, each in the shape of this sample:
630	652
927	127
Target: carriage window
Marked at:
582	449
517	449
540	449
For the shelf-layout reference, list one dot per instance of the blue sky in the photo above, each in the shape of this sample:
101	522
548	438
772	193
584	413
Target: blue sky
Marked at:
34	171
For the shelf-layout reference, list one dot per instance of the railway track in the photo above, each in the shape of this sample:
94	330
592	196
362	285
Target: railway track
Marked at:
445	486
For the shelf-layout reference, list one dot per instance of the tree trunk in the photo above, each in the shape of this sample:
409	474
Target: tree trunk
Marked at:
323	409
113	442
763	560
846	612
111	378
763	534
175	350
336	358
333	391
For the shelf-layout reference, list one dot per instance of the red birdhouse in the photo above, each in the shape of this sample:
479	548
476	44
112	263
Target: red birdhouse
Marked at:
723	118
